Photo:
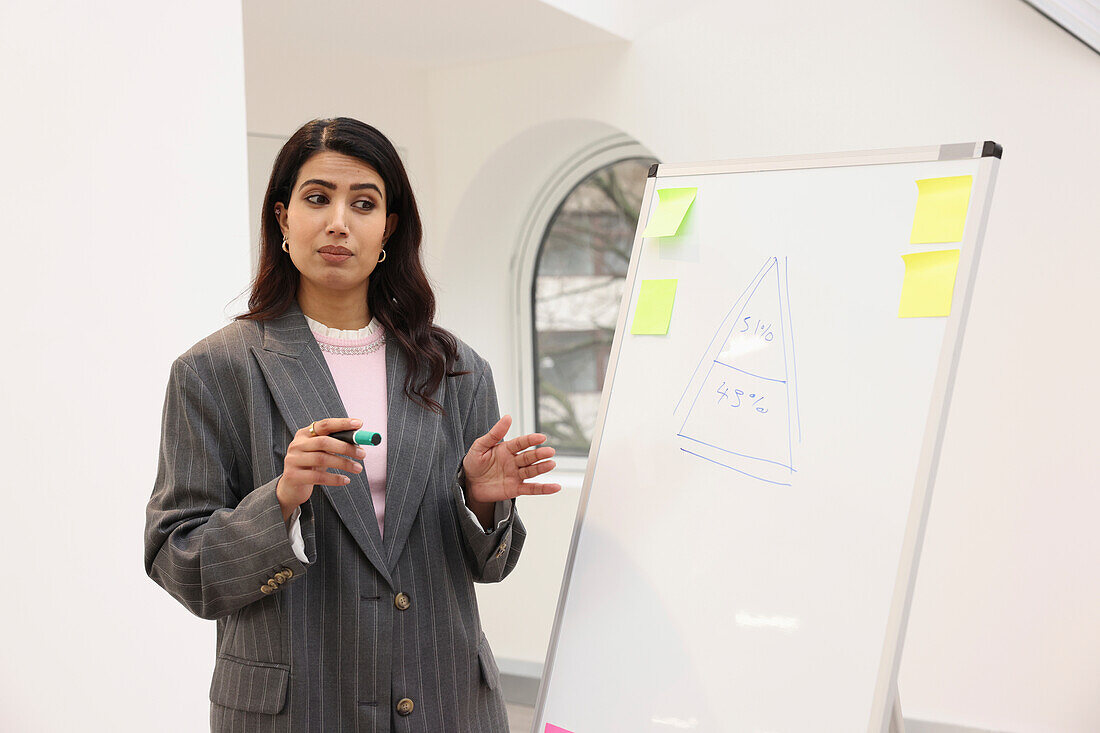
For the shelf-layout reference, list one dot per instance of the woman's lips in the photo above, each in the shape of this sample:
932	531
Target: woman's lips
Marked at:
331	257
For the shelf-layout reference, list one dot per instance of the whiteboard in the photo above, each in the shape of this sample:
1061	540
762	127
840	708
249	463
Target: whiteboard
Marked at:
748	567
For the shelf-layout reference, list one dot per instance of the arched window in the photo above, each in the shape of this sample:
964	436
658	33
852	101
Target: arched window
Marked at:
575	295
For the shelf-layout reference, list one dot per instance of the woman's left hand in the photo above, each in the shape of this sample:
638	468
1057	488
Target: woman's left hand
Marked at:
497	470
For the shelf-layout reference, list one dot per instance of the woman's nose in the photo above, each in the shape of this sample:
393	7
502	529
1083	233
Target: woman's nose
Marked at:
336	224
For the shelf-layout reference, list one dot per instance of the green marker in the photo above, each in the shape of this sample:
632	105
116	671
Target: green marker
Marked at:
358	437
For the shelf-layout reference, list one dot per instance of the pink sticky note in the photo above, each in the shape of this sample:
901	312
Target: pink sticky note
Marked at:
551	728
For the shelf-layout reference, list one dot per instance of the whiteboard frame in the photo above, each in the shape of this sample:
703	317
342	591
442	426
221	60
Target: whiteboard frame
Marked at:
885	697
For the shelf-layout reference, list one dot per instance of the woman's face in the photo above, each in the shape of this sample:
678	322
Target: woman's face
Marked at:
335	223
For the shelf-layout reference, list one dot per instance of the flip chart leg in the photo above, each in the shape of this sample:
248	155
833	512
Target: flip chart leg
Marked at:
897	725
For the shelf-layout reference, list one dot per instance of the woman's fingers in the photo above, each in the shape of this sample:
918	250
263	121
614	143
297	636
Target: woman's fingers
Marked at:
334	445
325	478
323	450
536	469
496	434
523	442
320	459
515	446
309	454
309	477
532	456
331	425
527	456
538	489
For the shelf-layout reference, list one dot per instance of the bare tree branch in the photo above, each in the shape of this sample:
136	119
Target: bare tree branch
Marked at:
580	290
567	431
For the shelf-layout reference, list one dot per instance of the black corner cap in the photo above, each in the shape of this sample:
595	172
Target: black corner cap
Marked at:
991	149
653	170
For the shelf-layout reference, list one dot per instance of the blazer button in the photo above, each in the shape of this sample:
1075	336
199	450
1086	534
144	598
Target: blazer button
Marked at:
267	589
402	601
288	573
502	548
281	577
404	706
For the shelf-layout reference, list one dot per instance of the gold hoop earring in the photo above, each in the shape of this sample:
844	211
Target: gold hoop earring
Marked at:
383	257
285	247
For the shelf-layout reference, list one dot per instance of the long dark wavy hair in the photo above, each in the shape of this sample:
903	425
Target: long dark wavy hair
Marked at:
398	292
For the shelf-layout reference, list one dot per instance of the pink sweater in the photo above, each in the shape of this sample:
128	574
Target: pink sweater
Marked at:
357	360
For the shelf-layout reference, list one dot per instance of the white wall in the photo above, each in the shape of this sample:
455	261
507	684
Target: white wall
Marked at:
295	73
1003	630
122	196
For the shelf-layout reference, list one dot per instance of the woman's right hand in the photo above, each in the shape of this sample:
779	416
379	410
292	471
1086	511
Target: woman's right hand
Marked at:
308	456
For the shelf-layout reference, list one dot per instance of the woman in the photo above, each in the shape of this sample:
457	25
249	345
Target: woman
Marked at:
343	602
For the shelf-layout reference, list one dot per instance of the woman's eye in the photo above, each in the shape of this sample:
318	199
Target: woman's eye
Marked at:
365	204
316	198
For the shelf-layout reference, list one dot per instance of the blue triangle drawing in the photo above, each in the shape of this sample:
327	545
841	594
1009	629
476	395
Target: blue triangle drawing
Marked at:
740	409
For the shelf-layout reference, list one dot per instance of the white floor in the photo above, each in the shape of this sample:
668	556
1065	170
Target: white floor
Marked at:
520	718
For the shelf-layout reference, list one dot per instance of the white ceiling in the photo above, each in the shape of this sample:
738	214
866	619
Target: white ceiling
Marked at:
414	34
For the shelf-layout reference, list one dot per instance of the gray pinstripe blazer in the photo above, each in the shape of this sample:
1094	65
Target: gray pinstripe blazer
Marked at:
330	650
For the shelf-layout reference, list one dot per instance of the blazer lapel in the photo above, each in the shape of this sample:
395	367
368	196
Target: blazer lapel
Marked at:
411	444
304	390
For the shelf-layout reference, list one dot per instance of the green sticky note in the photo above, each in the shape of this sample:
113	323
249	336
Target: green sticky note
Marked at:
653	311
929	283
941	209
672	206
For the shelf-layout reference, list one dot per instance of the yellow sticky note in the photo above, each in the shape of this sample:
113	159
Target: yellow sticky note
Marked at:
929	283
941	209
672	206
653	311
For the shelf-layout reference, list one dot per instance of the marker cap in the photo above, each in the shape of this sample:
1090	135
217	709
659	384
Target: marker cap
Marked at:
367	437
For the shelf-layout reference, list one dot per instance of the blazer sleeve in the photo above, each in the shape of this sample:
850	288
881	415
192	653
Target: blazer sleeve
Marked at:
208	544
489	555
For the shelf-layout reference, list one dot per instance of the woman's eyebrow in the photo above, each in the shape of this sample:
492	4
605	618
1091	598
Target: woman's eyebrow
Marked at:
332	186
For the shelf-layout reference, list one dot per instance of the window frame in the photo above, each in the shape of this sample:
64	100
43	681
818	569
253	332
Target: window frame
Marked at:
571	173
